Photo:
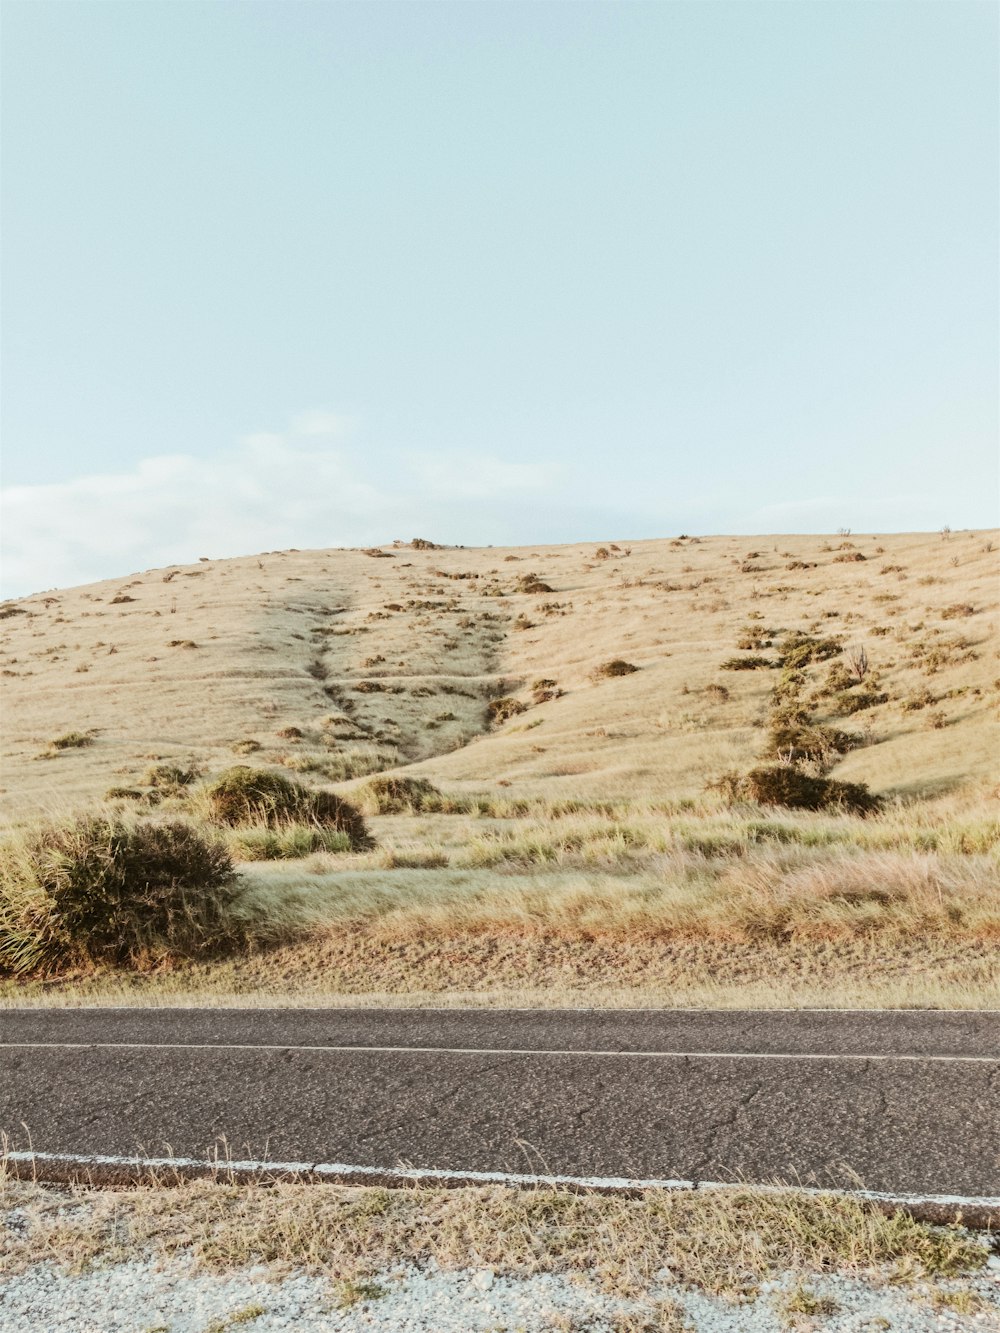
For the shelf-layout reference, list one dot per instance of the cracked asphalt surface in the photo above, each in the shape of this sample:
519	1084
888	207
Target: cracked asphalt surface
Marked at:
904	1102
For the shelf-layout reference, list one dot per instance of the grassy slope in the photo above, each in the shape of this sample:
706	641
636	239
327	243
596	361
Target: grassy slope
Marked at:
285	640
266	627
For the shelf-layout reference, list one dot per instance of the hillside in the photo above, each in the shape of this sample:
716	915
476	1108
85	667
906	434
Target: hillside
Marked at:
341	663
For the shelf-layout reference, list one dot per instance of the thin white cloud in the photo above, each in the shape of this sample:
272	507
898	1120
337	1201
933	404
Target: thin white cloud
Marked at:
307	487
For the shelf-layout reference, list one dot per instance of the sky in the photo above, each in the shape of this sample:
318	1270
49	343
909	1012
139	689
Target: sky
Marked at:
296	273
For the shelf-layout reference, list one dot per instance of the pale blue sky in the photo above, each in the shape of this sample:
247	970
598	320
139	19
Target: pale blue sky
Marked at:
297	273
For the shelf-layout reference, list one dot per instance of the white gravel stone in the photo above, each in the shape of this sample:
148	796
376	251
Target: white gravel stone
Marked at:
141	1297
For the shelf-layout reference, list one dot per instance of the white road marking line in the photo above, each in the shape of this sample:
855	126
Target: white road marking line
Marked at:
344	1169
167	1007
484	1050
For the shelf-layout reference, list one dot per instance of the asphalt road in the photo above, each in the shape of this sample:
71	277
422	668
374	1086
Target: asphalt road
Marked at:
905	1103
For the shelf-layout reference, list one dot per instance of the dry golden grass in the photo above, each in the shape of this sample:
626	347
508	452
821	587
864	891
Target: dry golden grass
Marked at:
575	854
720	1241
286	640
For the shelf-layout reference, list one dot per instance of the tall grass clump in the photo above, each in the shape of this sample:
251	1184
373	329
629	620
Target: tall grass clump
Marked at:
289	842
398	796
107	890
261	797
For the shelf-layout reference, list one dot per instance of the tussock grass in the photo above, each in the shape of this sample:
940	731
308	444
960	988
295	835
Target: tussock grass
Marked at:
261	798
292	840
107	889
720	1241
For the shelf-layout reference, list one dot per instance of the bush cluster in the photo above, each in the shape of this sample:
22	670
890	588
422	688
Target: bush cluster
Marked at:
244	795
783	784
103	890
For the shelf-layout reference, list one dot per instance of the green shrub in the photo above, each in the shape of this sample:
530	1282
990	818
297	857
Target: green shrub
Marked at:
73	740
798	650
398	796
109	890
856	701
795	741
258	796
745	663
839	678
753	637
780	784
790	714
788	686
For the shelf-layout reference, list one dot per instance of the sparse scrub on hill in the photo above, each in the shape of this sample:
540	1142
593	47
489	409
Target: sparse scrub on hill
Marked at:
397	795
798	650
501	710
794	740
544	689
262	797
921	699
71	740
105	890
850	702
169	778
750	663
616	667
786	785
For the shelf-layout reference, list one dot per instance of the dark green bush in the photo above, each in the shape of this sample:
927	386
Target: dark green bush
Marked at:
108	890
798	650
745	663
244	795
788	687
856	701
783	785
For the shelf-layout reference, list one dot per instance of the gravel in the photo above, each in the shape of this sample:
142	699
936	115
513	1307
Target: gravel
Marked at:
139	1297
